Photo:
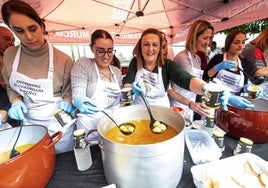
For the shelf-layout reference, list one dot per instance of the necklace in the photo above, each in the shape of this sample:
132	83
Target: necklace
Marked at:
105	77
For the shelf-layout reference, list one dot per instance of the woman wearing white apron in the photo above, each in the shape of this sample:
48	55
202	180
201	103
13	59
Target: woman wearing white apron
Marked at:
224	68
154	88
150	73
199	37
37	75
186	57
95	83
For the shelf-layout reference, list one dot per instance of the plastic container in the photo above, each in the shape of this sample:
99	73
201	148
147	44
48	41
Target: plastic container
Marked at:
225	172
201	146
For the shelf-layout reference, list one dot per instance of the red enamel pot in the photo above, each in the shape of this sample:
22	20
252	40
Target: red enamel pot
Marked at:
34	167
249	123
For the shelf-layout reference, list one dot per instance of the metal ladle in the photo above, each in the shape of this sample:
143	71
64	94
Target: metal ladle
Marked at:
255	80
14	152
125	128
156	126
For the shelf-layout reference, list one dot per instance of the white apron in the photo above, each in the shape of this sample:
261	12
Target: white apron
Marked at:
38	97
155	90
189	113
106	96
233	81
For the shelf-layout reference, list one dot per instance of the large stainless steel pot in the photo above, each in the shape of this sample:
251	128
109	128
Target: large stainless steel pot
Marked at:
34	167
149	166
249	123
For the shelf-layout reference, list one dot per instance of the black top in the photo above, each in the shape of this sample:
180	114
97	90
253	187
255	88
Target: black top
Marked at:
247	67
4	102
5	105
170	72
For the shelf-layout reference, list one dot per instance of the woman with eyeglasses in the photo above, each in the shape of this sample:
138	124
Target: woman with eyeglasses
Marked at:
95	82
37	75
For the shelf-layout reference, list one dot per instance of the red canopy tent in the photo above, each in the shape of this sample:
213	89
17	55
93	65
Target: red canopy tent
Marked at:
73	21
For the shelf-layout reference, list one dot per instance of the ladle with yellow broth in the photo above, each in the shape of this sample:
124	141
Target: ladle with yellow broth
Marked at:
143	134
13	151
156	126
124	128
5	156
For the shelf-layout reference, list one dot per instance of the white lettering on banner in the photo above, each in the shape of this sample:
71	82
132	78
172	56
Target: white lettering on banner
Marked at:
73	34
242	6
132	36
118	13
230	11
86	35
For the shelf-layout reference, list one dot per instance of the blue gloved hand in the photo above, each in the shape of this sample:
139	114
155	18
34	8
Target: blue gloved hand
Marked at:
224	65
138	87
85	105
133	96
67	107
17	111
224	99
240	102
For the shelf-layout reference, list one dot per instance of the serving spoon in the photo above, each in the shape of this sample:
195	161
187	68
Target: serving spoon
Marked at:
156	126
256	80
125	128
14	152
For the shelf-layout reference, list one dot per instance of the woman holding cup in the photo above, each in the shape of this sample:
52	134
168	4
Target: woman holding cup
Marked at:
149	72
228	68
198	39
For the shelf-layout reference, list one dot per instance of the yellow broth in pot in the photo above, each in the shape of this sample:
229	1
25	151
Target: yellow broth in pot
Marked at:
142	134
5	155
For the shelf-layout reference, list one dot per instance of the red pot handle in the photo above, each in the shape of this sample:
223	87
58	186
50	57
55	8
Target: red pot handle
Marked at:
55	138
232	112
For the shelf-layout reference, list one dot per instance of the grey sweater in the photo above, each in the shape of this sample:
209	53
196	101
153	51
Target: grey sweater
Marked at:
84	77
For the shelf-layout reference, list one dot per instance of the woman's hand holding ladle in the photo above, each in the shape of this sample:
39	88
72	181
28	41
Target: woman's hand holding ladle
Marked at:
156	126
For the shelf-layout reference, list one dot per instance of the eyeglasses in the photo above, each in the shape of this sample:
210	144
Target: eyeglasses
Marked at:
101	52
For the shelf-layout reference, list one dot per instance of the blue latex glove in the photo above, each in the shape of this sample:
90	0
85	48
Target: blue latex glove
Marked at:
133	96
67	107
17	111
224	65
85	105
224	99
240	102
138	87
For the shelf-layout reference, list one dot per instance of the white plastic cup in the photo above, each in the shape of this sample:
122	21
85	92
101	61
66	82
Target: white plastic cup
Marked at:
83	158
